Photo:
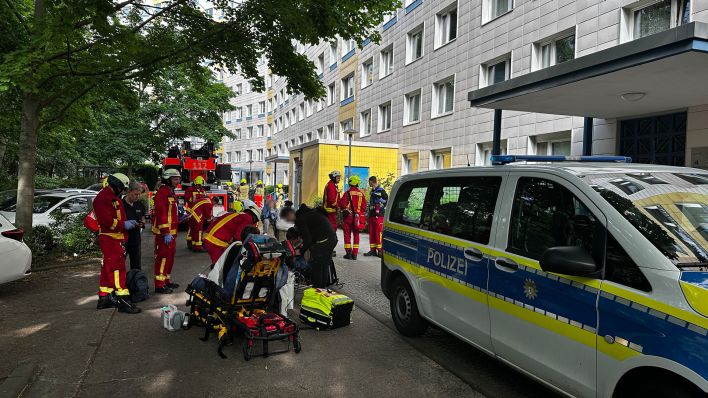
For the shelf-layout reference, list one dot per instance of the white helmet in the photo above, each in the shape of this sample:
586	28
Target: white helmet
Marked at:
169	173
335	173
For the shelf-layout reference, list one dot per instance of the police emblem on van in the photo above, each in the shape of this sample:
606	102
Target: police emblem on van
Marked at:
530	289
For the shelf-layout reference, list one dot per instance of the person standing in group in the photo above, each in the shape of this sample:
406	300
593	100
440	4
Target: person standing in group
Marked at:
193	193
134	210
201	211
229	195
330	199
279	197
164	227
269	216
377	203
259	194
318	238
353	204
242	190
112	226
227	228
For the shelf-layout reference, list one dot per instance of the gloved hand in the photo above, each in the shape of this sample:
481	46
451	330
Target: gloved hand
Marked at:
168	239
130	224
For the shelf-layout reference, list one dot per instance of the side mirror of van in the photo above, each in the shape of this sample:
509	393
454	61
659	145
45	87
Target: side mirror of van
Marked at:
569	260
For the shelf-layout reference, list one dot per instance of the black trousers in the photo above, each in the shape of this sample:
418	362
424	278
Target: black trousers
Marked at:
133	253
323	272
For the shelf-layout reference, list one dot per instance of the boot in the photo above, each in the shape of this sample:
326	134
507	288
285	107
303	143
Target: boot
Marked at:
106	302
125	306
370	253
163	290
172	285
353	257
347	256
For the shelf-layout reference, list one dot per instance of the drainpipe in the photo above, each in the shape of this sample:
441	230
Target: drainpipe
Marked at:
587	136
496	137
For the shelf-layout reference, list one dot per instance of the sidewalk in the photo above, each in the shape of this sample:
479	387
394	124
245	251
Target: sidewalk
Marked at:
49	321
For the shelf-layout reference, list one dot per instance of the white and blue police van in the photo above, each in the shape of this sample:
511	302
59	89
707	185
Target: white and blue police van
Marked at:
590	274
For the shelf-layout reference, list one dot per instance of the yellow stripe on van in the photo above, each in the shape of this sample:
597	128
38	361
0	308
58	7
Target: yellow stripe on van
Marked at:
592	282
616	351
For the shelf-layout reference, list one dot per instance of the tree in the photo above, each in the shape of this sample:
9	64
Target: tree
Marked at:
173	104
60	51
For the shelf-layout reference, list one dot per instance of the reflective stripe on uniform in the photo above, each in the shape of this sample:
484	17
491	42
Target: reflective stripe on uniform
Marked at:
210	234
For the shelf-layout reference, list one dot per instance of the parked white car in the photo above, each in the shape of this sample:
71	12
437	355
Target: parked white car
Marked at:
15	256
55	203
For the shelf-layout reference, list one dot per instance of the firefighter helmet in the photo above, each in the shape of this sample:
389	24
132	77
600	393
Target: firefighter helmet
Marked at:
169	173
354	180
259	182
199	180
229	183
119	181
243	181
254	211
335	173
280	186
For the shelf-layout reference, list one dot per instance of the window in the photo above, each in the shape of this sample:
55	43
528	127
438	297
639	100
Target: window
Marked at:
347	46
411	108
249	110
330	94
237	157
446	25
367	73
333	52
388	17
261	107
320	63
247	87
320	133
309	136
414	45
293	116
484	153
409	163
620	268
557	143
386	62
237	134
249	155
408	205
384	117
260	154
239	113
346	125
347	87
270	104
330	132
287	120
492	9
249	132
462	207
654	17
238	89
227	117
546	214
308	108
555	51
320	104
440	159
444	97
365	123
496	71
301	113
259	130
269	130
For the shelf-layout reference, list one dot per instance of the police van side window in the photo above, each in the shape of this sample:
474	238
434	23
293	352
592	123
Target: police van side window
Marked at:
546	214
463	207
408	205
620	268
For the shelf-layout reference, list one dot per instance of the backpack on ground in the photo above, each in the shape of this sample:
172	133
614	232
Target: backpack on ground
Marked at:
137	284
324	308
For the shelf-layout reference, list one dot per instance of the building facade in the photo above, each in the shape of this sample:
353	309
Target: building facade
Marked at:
411	89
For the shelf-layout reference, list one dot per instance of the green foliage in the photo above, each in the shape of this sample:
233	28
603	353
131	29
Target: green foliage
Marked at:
72	237
41	242
387	181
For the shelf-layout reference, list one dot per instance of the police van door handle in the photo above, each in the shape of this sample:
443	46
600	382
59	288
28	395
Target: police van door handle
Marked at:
474	254
506	264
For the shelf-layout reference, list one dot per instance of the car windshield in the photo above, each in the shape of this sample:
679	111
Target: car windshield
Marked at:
669	209
44	203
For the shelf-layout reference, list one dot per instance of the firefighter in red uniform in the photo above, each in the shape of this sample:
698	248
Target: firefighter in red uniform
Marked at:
226	229
330	199
192	194
112	227
164	227
377	203
353	204
201	211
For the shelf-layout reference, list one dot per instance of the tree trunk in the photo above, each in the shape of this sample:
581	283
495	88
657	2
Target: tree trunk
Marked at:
130	171
27	161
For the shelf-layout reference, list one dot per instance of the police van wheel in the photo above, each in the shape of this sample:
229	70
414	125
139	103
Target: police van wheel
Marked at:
404	309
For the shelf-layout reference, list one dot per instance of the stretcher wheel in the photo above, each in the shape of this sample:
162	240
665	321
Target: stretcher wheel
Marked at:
246	355
297	345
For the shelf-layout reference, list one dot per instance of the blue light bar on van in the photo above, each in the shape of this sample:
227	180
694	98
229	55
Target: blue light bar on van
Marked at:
505	159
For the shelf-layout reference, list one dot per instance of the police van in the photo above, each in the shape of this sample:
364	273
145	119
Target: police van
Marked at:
589	274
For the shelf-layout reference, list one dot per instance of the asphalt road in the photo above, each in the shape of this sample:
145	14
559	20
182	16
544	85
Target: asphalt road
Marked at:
483	373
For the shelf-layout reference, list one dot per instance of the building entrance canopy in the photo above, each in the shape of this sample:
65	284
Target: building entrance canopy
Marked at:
659	73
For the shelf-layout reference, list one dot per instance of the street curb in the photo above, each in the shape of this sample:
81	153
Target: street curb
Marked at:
18	381
68	264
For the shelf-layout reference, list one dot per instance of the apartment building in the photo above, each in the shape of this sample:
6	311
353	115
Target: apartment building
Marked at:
441	67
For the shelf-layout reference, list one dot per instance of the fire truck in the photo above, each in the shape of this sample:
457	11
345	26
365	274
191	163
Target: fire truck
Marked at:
194	162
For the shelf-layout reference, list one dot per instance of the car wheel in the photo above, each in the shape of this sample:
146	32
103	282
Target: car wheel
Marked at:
404	309
658	385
